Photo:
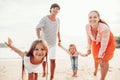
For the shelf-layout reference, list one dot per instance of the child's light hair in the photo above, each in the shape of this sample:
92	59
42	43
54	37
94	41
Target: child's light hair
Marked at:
72	45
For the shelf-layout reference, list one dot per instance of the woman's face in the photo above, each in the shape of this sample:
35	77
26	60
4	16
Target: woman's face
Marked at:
39	51
93	18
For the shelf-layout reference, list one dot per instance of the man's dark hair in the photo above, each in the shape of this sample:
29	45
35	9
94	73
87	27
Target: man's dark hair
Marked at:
54	5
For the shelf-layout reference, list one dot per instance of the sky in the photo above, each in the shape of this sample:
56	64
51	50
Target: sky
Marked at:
18	18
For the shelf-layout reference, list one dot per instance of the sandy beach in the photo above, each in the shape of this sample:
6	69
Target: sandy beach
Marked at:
86	68
11	69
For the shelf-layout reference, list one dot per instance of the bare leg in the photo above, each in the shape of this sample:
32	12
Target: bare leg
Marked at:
96	68
52	68
23	74
75	71
44	66
31	76
36	76
104	69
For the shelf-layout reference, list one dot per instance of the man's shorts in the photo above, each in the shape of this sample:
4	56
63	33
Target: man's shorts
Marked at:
51	53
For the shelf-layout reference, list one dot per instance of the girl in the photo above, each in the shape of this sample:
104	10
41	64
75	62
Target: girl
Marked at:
72	51
33	57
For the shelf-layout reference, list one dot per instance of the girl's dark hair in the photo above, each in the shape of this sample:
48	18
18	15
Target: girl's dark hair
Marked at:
32	48
54	5
102	21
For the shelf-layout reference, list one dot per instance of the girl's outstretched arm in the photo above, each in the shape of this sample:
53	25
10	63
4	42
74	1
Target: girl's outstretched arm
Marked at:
9	44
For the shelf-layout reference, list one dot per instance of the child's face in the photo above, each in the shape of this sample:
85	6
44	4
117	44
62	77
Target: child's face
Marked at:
72	49
39	51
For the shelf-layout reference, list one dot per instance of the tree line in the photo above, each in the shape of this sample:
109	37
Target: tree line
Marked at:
117	39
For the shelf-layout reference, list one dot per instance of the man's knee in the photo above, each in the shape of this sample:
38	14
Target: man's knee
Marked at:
52	61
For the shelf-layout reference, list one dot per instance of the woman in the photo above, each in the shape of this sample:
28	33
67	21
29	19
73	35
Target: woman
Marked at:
101	42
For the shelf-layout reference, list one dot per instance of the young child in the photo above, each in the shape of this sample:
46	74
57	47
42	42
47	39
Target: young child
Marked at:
72	51
33	58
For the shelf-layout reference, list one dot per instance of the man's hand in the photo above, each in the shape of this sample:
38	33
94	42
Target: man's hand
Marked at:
59	43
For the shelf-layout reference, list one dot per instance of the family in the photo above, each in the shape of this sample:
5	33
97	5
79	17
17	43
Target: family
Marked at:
101	44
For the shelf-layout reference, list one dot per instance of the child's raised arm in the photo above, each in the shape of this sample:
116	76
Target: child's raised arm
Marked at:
9	44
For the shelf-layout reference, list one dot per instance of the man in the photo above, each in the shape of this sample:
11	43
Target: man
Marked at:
50	27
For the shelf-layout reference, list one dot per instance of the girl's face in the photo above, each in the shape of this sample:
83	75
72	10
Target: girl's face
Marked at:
55	11
39	51
72	49
93	18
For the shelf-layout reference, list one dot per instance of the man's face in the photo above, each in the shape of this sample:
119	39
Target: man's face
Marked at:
55	10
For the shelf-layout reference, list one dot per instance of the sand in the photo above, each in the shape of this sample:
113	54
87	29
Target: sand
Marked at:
10	69
86	68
